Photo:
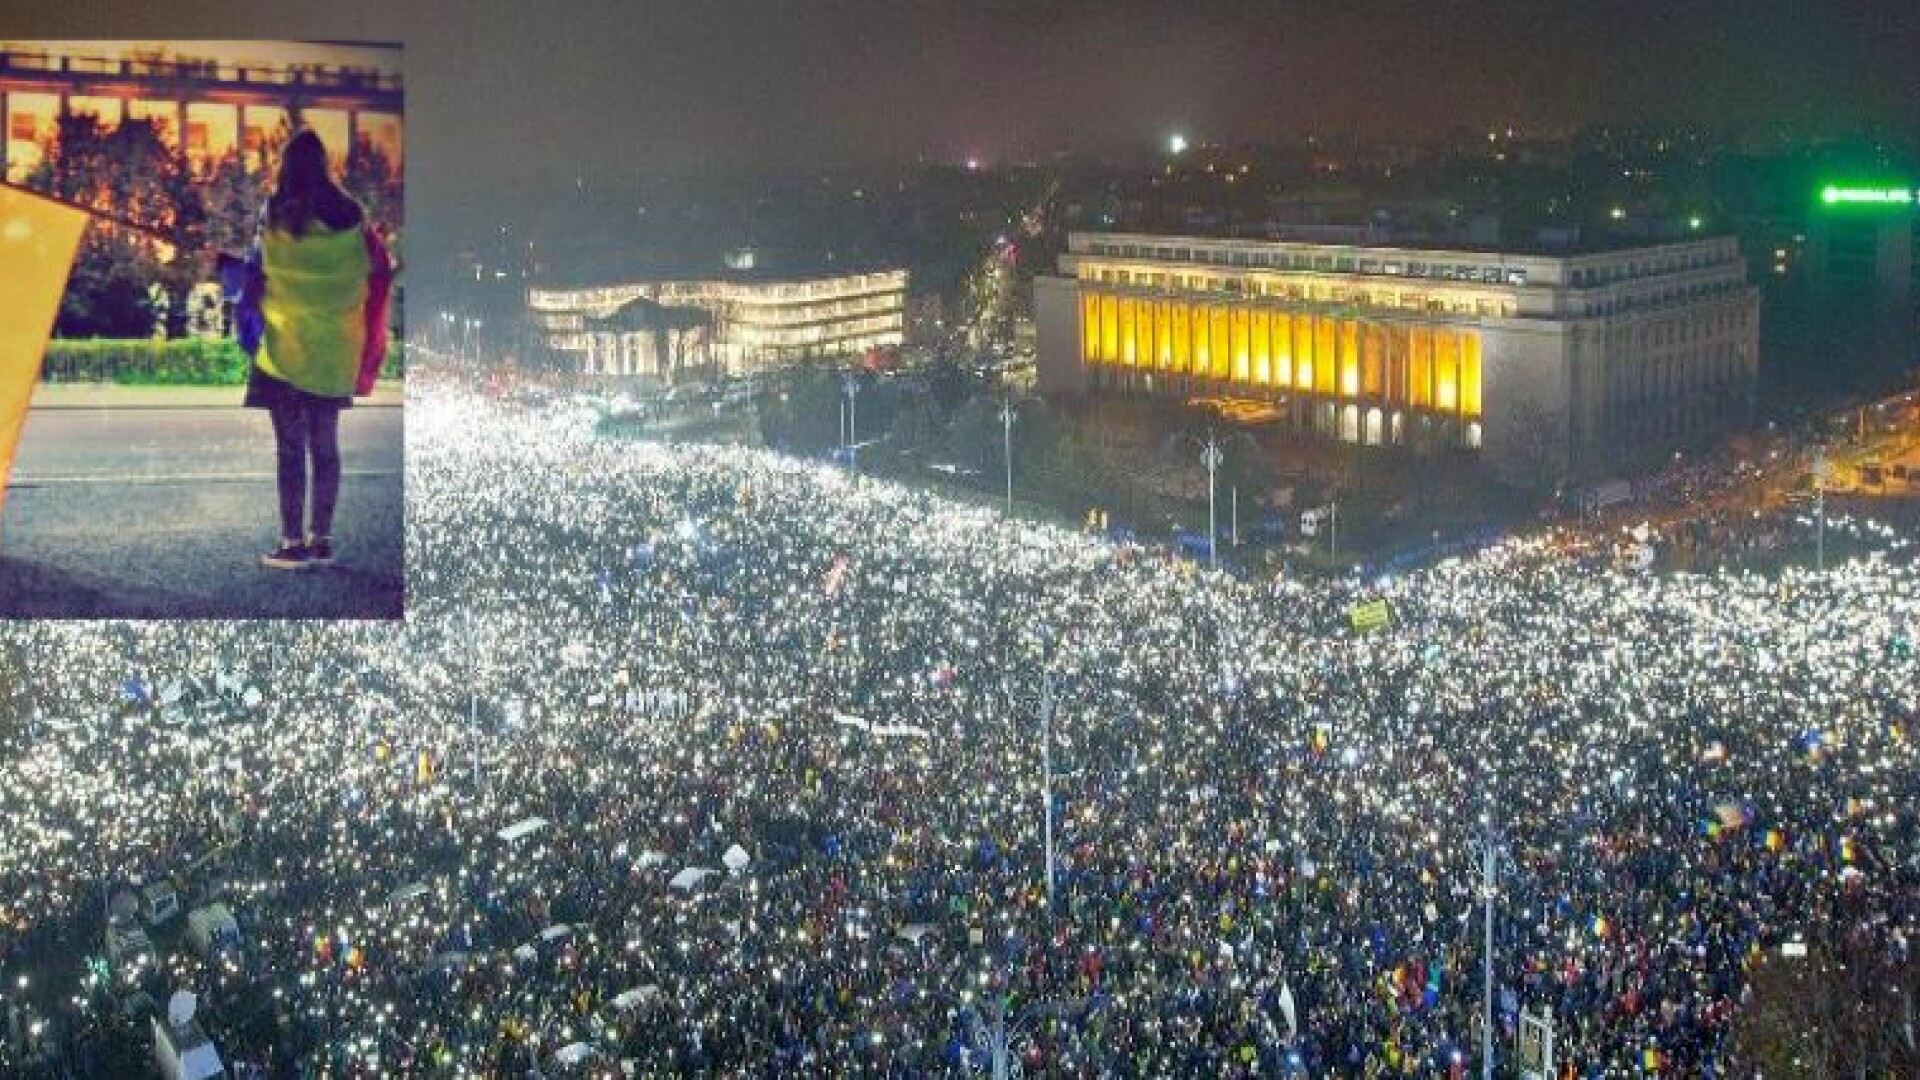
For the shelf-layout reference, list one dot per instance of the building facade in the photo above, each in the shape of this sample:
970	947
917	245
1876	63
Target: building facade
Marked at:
1538	362
739	325
207	98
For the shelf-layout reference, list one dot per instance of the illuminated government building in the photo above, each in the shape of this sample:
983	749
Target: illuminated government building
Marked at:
207	98
1562	361
744	323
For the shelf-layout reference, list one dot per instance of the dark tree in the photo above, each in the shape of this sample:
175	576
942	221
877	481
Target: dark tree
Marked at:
130	173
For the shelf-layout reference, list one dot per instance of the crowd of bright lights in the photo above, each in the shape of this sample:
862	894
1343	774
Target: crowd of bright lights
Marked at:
784	730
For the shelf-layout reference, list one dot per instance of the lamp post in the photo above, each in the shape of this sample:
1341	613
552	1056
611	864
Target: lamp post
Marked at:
473	699
1820	508
1493	851
1006	428
1046	779
850	386
1489	875
1211	457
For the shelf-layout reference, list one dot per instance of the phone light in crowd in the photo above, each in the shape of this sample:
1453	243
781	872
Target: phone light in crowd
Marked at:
1177	144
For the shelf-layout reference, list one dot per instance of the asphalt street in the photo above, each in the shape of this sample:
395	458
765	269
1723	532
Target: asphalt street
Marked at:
164	512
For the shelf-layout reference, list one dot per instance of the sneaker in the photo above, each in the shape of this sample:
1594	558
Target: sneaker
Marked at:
290	555
320	550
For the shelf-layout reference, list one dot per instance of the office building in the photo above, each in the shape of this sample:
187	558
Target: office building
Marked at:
732	323
1539	362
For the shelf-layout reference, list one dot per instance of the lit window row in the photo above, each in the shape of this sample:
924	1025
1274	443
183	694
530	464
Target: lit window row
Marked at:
1312	290
212	129
813	335
889	287
799	314
1423	365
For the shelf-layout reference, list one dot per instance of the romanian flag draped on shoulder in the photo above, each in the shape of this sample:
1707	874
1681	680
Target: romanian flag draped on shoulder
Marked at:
38	240
312	309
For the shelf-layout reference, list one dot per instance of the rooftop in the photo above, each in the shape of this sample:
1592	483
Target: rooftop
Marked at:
1571	244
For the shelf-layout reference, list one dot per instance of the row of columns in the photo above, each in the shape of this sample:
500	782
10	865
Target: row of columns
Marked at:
1427	366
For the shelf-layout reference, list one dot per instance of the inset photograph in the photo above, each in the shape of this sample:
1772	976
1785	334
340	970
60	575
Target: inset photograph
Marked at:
201	339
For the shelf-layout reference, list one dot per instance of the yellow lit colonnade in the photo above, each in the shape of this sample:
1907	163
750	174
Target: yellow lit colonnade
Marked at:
1361	378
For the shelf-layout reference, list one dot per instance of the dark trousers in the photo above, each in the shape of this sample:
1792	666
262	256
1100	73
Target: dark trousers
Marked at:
302	429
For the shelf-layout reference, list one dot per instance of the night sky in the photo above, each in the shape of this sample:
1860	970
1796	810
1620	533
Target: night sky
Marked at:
611	88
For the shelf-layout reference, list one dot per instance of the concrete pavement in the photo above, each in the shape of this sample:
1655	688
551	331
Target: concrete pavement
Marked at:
144	504
113	396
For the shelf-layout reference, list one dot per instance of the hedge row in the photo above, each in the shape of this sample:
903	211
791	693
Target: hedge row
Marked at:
183	362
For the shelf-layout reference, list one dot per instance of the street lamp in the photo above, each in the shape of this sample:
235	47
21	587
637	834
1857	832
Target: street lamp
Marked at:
1006	422
850	386
1046	778
1820	508
1493	852
1211	457
473	699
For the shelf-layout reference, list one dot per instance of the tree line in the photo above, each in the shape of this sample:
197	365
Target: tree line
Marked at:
136	284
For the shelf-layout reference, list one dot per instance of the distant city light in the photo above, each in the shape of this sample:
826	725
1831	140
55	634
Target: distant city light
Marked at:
1177	144
1694	223
1617	213
973	164
1893	196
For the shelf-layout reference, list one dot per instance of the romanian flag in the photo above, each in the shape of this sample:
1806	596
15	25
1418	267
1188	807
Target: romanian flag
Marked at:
38	240
1373	615
423	771
1776	841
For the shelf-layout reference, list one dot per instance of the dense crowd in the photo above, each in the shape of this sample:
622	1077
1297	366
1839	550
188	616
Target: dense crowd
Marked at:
773	741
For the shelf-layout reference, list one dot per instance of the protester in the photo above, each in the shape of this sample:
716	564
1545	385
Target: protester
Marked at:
313	316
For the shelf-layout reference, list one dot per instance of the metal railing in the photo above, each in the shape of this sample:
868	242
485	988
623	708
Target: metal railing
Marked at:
201	71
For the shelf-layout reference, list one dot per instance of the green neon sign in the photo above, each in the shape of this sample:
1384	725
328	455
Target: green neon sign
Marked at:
1834	195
